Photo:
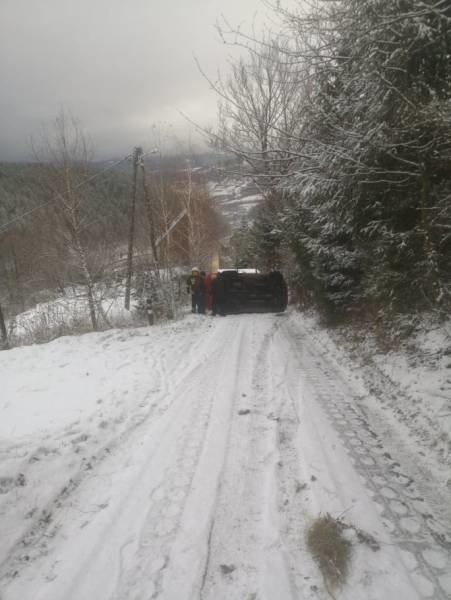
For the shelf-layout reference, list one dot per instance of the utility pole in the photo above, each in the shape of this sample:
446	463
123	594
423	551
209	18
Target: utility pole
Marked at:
137	153
3	332
150	215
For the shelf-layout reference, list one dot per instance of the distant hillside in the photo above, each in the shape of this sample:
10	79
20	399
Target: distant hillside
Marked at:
21	189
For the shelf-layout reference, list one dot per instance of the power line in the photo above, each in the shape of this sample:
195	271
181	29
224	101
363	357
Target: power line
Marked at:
5	226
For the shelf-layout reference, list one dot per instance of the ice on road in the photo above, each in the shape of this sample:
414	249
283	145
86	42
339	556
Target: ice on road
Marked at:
187	461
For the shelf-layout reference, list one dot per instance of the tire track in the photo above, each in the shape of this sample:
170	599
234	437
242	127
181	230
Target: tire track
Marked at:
143	577
425	543
291	477
246	558
40	537
190	553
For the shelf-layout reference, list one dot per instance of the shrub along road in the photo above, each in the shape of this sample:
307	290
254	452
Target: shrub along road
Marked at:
188	461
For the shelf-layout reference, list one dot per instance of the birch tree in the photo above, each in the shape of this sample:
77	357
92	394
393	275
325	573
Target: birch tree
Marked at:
65	154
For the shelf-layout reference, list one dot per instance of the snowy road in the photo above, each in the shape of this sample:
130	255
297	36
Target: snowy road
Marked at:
187	462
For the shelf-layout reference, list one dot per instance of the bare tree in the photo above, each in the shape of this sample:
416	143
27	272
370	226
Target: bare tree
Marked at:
64	154
131	224
260	102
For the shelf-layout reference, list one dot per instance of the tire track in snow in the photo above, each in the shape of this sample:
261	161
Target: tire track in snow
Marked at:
190	554
32	541
290	473
143	578
40	537
424	543
387	407
247	559
230	523
35	540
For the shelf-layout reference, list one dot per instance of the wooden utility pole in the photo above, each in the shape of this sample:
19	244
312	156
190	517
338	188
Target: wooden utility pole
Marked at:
150	215
3	332
137	152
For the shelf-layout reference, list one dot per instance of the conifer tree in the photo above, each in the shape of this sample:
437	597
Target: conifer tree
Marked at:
372	200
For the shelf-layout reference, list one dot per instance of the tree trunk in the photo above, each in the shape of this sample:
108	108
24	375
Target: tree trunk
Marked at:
88	282
19	289
150	216
433	274
92	308
131	231
3	332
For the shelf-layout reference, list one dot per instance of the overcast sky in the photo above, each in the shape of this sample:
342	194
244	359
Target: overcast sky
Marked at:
118	65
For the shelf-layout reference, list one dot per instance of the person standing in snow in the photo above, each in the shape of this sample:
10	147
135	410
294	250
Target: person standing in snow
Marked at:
196	287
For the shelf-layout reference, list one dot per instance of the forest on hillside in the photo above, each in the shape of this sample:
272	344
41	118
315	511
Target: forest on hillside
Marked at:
75	228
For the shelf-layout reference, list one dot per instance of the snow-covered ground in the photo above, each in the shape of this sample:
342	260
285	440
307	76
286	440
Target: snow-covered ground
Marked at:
410	377
187	460
68	313
65	314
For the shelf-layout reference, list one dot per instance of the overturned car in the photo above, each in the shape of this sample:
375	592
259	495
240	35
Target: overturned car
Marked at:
244	292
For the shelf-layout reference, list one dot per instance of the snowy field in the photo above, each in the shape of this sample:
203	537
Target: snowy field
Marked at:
187	461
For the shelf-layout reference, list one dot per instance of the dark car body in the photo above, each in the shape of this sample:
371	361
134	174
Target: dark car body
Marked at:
251	292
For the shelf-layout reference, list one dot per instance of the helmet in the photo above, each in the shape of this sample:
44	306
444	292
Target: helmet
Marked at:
194	269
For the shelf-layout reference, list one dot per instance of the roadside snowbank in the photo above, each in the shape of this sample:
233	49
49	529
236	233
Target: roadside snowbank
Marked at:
410	381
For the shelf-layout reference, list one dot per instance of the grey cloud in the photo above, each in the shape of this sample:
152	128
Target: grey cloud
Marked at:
117	65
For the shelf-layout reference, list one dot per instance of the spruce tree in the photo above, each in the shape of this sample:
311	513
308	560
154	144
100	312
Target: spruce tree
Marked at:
372	200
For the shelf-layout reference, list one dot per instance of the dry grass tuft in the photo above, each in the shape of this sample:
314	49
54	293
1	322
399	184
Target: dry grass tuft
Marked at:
330	549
